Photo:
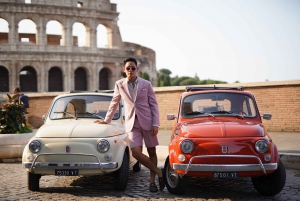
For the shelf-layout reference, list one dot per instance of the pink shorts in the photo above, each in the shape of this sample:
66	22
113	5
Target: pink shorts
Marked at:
137	135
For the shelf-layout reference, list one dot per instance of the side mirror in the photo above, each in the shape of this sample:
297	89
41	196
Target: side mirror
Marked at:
171	117
267	116
44	118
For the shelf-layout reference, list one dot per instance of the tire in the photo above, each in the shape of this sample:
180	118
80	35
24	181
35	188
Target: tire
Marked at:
176	183
271	184
137	167
33	181
121	175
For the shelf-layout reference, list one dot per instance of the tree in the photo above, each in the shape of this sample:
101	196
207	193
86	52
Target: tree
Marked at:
165	71
146	76
167	81
189	81
176	81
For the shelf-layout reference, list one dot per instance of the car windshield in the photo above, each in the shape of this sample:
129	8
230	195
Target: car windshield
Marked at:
82	106
218	104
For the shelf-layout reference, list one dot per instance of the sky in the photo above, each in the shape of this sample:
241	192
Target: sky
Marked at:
226	40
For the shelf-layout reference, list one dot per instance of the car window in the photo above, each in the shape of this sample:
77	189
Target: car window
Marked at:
218	103
82	106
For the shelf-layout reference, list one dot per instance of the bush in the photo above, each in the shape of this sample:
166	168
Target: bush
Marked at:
12	117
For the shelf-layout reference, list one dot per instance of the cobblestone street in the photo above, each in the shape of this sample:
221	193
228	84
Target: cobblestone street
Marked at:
14	187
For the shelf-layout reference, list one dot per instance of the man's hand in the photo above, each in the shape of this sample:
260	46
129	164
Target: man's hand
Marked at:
100	121
154	130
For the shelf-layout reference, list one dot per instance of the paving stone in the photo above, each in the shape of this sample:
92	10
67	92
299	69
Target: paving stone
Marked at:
13	186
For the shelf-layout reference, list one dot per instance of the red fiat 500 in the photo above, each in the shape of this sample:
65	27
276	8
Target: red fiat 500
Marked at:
218	133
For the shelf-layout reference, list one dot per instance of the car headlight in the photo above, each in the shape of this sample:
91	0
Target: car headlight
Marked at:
186	146
35	146
103	146
261	146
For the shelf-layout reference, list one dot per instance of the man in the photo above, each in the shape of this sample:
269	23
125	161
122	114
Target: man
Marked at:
141	118
21	97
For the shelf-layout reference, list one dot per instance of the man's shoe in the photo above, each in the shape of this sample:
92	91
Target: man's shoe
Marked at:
153	187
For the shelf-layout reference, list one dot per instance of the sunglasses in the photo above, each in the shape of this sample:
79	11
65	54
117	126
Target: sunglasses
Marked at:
132	68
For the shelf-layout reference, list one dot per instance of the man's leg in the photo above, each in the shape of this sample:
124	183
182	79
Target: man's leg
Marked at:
149	162
153	158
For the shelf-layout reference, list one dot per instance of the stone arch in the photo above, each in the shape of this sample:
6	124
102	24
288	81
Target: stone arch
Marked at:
4	30
27	16
55	79
63	21
4	79
80	79
54	37
109	35
85	34
102	36
104	74
28	79
31	36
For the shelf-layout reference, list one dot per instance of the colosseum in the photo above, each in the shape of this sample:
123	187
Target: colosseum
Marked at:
41	61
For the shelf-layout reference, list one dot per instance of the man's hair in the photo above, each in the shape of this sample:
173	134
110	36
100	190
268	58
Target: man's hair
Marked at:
130	59
17	89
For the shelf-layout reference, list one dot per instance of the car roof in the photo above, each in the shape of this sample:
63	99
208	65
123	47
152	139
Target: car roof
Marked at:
210	89
83	93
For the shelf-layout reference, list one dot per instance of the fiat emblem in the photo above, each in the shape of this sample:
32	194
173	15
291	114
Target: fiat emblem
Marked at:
68	148
224	149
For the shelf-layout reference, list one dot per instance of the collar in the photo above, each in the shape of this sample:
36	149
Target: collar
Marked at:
135	81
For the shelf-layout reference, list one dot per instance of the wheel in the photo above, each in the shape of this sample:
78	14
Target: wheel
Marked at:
176	183
271	184
121	176
33	181
137	167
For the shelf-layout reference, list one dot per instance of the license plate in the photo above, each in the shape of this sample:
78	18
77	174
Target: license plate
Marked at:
66	172
225	175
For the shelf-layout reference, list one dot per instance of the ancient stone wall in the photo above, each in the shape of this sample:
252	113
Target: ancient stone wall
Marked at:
40	63
281	99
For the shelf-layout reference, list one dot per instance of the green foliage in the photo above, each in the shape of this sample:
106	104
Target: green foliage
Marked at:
176	81
212	82
146	76
164	79
167	81
189	81
165	71
160	79
12	117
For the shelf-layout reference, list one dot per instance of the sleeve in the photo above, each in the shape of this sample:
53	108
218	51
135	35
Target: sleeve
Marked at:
153	106
114	104
25	100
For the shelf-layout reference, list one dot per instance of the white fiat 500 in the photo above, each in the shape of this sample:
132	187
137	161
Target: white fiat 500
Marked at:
71	144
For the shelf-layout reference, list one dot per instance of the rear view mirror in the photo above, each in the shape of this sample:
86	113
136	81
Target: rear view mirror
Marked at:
44	118
170	117
267	116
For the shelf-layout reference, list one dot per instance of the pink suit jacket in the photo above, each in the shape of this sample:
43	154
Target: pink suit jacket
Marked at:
145	106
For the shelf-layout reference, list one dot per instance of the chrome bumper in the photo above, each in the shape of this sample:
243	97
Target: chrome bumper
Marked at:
225	167
69	165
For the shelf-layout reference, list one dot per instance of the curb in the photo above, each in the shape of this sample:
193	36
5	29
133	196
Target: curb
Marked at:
290	160
12	145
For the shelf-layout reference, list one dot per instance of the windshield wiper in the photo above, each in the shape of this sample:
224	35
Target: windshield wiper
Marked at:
197	112
194	113
228	112
94	115
66	113
222	112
